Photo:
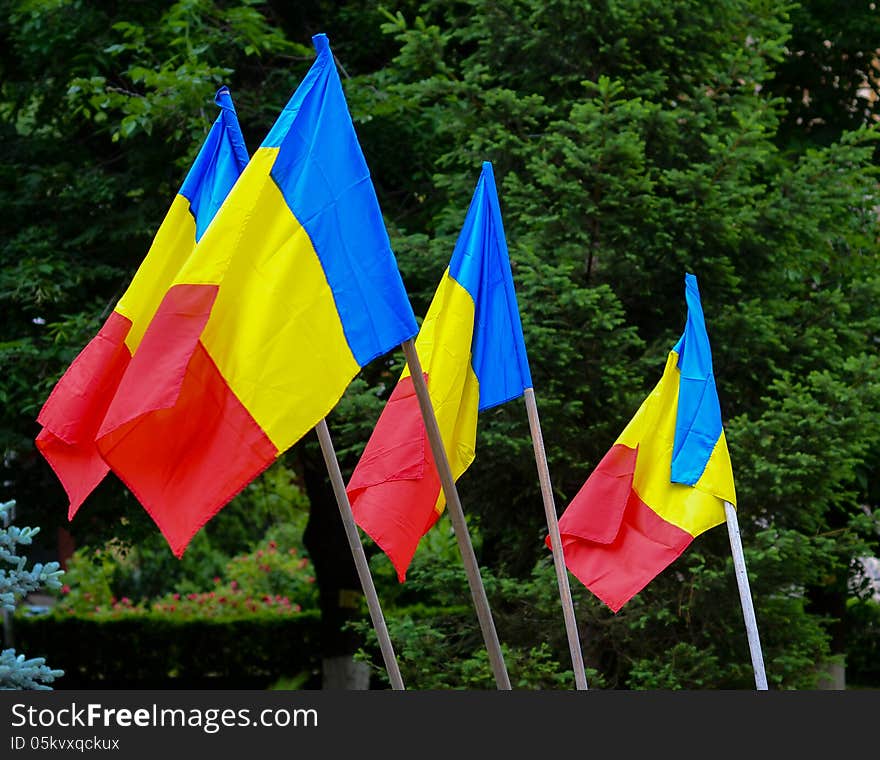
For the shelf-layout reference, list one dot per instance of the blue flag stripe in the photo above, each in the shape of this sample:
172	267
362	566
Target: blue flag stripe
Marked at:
698	420
481	265
220	161
320	169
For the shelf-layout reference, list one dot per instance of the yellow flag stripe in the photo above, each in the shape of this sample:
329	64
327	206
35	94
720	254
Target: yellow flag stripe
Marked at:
274	331
172	246
444	348
696	508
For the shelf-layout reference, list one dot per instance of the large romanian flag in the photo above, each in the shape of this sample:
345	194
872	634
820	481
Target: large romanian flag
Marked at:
473	356
664	481
292	289
75	409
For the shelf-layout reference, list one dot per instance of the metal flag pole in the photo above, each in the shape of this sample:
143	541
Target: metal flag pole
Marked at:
456	514
574	644
745	596
360	559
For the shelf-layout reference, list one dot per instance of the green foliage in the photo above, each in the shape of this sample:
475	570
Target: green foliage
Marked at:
830	78
139	565
686	631
863	649
102	109
275	578
176	59
684	666
275	570
645	142
87	589
435	633
176	651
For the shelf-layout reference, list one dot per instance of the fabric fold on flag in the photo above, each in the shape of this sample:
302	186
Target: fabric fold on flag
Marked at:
663	482
292	289
473	357
75	409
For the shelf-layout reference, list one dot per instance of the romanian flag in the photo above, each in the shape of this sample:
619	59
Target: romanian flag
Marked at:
664	481
75	409
473	357
292	289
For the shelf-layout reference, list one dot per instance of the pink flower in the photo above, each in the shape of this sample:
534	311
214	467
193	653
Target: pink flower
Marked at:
65	589
234	585
216	579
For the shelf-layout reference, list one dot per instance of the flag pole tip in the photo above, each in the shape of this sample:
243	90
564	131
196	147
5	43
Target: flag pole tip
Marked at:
223	98
487	175
321	43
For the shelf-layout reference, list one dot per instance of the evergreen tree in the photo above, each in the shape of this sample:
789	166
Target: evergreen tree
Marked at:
16	672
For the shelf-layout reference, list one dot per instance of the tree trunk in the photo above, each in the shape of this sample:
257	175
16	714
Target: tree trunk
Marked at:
339	590
830	601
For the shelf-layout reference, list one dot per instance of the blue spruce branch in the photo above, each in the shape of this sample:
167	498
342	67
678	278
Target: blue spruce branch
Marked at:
16	672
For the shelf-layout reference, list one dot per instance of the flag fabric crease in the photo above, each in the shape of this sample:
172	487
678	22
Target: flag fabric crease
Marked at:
662	483
473	357
75	409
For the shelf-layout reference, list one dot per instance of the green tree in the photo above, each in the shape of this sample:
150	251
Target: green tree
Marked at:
830	78
640	141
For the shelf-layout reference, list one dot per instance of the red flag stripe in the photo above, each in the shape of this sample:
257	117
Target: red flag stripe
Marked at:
394	489
158	462
633	543
75	409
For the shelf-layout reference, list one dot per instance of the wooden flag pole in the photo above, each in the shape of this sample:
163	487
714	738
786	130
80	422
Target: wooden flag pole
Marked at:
360	559
456	514
574	645
745	596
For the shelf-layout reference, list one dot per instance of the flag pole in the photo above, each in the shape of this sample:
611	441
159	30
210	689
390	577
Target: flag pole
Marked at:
745	596
456	514
574	644
360	559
